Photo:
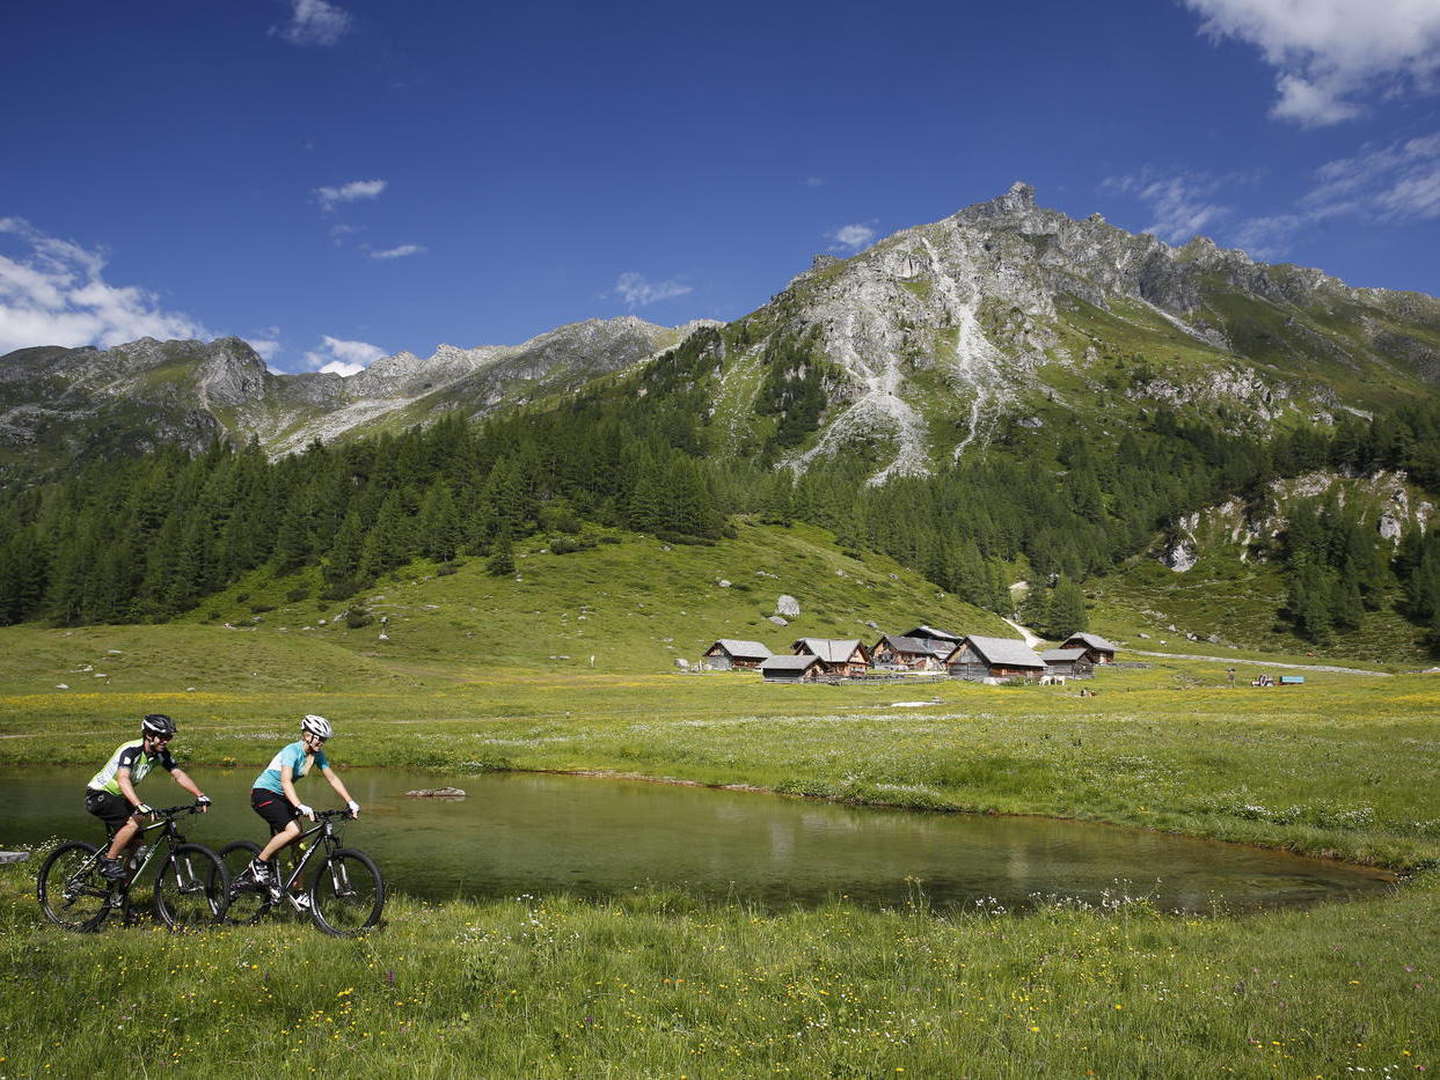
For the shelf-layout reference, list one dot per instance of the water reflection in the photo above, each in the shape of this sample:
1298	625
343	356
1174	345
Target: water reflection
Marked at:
542	834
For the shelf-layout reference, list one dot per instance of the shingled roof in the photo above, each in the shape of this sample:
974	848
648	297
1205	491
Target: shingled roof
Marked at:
831	650
789	663
1006	652
1061	654
927	646
744	650
923	631
1094	641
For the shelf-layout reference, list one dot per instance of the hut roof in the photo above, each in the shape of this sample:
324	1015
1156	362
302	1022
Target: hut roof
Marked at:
790	663
1009	652
1061	654
924	646
745	650
923	631
831	650
1094	641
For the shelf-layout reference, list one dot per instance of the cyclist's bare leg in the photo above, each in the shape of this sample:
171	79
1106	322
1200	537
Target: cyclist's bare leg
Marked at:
125	837
285	836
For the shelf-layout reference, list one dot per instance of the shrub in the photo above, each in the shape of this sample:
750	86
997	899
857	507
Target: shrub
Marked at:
446	569
357	617
260	609
300	592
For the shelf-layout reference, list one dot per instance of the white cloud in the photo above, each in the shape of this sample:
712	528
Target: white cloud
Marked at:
1386	185
398	252
814	181
338	233
313	22
637	292
53	292
851	237
1181	203
1328	52
354	191
342	357
265	348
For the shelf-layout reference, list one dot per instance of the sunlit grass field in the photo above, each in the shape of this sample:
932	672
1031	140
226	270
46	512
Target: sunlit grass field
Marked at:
661	985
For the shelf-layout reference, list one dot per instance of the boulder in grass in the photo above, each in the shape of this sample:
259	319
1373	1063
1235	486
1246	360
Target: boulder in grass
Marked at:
436	793
787	605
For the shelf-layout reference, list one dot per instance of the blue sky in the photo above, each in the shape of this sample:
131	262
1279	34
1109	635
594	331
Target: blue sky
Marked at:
337	181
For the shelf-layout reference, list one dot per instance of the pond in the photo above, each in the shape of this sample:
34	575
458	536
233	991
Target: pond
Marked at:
521	833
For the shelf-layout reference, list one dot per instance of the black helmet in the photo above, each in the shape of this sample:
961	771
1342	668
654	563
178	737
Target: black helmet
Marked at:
158	724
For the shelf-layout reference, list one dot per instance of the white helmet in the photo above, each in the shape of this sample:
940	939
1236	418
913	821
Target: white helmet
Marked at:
316	725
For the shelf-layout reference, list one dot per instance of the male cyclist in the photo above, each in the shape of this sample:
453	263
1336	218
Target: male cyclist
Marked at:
273	796
111	797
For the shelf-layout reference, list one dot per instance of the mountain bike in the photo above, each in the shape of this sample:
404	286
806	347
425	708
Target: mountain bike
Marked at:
346	893
190	887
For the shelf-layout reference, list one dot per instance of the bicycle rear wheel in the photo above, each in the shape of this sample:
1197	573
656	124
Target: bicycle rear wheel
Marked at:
71	890
190	888
247	899
348	894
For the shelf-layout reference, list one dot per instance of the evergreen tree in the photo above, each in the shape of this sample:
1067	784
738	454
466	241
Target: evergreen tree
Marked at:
502	556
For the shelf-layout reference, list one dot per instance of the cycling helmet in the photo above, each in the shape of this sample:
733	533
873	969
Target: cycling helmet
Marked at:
158	724
316	725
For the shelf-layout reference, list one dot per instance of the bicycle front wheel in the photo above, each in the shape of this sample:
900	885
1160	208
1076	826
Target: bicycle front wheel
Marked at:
71	891
190	889
348	894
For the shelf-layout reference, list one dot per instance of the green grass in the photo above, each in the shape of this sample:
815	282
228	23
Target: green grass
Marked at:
659	984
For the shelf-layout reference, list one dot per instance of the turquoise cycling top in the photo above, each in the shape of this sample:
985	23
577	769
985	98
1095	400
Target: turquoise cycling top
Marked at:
293	755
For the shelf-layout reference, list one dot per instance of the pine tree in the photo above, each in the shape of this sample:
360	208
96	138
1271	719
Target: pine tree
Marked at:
502	556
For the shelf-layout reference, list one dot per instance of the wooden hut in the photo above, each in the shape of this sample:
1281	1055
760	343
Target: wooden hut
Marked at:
845	657
803	668
1068	662
979	657
912	653
730	653
1097	649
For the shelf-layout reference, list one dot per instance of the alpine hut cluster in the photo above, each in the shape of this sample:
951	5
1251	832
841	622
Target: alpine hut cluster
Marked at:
921	649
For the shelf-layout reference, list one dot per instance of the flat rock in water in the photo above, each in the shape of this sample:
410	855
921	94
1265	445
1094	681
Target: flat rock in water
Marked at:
436	793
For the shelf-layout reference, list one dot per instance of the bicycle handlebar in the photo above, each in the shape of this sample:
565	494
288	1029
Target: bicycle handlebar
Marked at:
334	813
176	811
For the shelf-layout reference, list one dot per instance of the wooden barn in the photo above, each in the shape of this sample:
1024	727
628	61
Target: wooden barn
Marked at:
912	653
1097	649
1068	662
803	668
845	657
979	657
730	653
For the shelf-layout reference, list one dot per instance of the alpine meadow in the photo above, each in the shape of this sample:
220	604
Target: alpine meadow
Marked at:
1014	520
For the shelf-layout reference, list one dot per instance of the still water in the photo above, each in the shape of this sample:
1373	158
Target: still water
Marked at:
524	833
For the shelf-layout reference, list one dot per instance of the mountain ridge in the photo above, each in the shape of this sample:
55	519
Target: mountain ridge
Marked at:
930	344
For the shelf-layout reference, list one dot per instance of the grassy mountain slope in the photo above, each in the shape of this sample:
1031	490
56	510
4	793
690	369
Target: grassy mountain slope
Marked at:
634	606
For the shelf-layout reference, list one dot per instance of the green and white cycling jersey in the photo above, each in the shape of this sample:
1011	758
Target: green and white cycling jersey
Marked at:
130	755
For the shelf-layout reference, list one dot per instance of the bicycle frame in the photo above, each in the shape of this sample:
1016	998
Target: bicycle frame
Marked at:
328	840
171	839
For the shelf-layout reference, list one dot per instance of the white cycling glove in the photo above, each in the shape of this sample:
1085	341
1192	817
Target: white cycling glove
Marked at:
143	808
305	811
354	808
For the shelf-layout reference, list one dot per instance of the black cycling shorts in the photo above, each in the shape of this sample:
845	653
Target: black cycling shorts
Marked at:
113	810
277	810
